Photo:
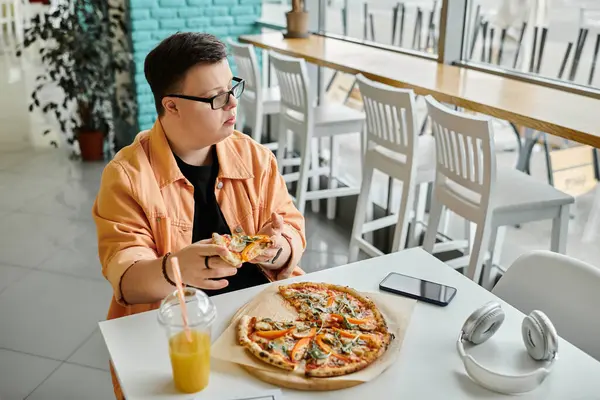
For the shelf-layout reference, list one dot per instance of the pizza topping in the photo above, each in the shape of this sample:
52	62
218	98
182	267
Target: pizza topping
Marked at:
316	353
300	349
306	333
252	251
263	326
345	306
273	334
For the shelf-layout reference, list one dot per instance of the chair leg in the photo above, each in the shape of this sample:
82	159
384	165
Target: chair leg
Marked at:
480	246
487	273
435	214
281	146
302	184
560	230
412	227
257	127
402	225
361	212
314	181
332	184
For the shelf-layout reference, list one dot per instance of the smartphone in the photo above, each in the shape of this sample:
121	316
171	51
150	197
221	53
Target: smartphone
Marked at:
419	289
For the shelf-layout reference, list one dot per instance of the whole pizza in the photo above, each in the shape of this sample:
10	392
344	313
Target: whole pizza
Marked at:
337	331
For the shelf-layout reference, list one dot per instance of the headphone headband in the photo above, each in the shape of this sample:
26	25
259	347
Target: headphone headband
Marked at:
540	339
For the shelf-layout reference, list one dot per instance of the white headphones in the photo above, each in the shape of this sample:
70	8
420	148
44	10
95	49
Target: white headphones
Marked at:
540	339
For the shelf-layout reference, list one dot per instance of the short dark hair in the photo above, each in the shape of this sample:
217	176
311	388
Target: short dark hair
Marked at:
166	65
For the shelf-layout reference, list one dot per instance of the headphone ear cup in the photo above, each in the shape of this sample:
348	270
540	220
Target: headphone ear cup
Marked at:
539	336
483	323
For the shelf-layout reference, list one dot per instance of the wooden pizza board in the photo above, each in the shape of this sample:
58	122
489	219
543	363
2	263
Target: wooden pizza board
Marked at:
395	309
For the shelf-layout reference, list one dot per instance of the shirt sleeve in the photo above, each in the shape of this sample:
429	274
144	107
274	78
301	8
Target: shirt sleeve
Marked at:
279	200
124	234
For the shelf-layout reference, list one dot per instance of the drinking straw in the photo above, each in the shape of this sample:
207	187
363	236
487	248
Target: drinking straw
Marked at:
181	295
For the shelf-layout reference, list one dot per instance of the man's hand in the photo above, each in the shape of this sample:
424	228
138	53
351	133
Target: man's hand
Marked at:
279	253
193	262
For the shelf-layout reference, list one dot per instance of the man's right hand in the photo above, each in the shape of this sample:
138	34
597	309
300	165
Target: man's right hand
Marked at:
193	265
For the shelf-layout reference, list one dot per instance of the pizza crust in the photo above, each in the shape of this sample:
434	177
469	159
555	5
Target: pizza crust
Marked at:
244	330
328	371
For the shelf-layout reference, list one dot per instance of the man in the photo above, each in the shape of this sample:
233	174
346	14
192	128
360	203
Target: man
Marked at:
187	177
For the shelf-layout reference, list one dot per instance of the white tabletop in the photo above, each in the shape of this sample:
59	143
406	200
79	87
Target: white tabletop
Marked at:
428	366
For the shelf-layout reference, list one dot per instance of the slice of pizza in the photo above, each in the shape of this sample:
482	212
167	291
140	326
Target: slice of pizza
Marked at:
336	352
334	306
279	343
242	248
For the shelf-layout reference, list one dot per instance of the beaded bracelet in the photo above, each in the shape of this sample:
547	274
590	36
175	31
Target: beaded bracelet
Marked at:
164	269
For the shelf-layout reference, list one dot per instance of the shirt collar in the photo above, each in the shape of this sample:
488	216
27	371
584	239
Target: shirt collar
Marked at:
166	170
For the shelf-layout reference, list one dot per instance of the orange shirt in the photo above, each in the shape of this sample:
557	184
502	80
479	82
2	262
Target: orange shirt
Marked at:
145	206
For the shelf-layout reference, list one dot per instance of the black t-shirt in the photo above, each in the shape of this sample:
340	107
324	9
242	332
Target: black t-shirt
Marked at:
208	218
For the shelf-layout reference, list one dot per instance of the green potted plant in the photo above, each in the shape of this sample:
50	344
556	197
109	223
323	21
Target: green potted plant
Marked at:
84	51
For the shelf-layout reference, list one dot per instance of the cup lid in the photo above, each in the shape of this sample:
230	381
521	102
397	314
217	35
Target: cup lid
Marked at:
200	309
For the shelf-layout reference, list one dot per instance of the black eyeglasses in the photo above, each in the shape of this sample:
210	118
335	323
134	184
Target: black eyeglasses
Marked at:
220	100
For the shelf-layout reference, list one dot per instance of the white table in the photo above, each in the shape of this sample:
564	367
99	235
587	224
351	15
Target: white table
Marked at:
428	366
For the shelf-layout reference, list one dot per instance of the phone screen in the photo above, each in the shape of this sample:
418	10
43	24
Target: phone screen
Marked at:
416	288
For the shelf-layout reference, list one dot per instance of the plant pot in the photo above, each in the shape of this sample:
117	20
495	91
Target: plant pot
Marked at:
296	24
91	145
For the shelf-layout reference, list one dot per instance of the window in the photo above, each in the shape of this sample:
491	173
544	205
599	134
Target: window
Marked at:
558	40
410	25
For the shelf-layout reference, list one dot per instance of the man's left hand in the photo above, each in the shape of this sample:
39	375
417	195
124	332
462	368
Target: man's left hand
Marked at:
279	253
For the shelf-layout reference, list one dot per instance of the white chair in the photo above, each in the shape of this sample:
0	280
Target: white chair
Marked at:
564	288
394	148
468	184
257	101
300	115
12	20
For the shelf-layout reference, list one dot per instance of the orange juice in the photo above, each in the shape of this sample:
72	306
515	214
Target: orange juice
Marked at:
190	361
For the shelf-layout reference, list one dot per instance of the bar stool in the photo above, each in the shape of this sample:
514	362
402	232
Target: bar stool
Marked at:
257	101
394	148
299	115
468	184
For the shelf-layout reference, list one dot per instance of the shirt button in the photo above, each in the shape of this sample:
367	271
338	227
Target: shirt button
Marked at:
238	229
220	185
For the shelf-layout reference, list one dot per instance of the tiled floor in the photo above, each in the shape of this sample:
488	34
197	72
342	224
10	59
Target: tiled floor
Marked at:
52	293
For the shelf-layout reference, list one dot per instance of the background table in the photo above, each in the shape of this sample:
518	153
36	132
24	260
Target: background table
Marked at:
567	115
428	366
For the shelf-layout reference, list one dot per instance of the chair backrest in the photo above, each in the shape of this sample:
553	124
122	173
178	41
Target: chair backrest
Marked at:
567	290
292	77
247	65
389	116
466	162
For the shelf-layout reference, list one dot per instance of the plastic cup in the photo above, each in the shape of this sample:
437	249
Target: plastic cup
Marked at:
190	360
